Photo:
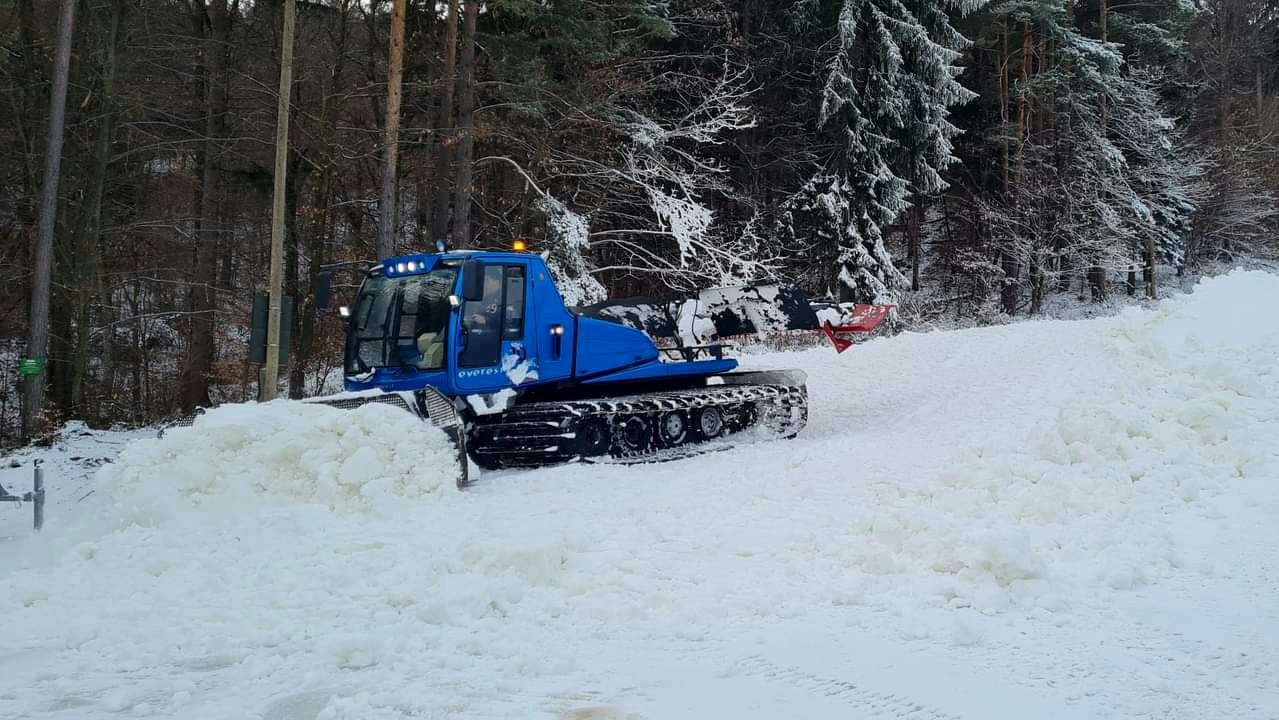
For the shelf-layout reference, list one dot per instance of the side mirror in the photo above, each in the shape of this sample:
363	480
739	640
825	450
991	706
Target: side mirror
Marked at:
473	280
323	282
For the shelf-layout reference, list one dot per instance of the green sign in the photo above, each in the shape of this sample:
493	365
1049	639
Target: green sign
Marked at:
30	366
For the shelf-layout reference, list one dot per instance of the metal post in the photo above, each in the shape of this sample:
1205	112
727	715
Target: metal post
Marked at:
37	496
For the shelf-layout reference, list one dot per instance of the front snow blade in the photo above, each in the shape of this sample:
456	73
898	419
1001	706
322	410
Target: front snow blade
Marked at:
443	415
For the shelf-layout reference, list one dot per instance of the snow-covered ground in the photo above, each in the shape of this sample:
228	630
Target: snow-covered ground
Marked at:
1042	520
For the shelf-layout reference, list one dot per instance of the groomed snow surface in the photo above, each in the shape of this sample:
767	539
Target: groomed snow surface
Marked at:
1041	520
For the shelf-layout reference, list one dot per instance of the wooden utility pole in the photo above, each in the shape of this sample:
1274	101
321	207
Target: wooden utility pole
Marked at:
33	366
394	76
270	381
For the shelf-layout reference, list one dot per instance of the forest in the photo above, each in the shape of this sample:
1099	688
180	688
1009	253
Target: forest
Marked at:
956	157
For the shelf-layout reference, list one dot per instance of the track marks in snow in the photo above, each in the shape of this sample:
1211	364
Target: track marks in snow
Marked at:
873	703
1113	664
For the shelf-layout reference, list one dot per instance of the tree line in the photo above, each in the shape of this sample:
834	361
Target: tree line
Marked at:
963	156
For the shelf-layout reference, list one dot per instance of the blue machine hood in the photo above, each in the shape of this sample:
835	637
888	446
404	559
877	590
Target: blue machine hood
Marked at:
604	346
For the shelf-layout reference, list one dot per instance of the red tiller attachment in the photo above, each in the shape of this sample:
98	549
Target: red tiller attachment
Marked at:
840	343
865	318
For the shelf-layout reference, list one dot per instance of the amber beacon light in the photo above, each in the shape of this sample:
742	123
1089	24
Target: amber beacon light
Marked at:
519	246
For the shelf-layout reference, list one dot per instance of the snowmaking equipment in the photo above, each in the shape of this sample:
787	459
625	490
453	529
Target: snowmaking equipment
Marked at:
770	314
482	344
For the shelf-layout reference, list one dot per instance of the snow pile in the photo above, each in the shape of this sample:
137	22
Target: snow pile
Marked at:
235	456
1155	412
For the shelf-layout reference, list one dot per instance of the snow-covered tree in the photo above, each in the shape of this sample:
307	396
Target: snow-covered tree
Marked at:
568	239
822	218
1096	175
1241	211
1166	175
664	179
886	92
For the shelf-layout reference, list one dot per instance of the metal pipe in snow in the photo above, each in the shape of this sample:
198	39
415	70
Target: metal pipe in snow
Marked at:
37	496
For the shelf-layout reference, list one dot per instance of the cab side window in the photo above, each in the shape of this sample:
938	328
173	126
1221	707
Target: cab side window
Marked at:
513	323
498	316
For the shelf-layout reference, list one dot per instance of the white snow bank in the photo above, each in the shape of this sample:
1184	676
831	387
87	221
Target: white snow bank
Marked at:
1141	416
240	456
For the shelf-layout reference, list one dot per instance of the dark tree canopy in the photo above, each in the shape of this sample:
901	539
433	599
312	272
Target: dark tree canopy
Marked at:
985	153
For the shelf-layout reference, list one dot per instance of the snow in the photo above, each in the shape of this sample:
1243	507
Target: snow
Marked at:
1068	519
569	236
230	458
518	371
491	403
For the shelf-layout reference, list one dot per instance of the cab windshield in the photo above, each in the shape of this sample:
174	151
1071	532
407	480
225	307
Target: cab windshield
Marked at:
401	322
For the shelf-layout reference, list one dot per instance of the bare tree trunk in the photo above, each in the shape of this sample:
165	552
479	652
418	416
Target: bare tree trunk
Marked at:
444	128
138	350
1023	104
27	41
1097	282
293	271
1036	284
1104	23
466	120
321	229
42	280
1227	67
914	218
89	241
316	238
1003	101
394	77
1012	265
1152	284
1263	119
1096	273
194	384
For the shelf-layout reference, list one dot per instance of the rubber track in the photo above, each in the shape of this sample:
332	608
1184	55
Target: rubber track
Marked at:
545	433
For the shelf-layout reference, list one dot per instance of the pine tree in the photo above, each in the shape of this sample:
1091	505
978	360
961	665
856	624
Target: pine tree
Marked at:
1097	176
884	104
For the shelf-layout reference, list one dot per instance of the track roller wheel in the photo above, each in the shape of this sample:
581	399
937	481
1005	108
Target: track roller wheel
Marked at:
593	437
636	434
710	422
672	428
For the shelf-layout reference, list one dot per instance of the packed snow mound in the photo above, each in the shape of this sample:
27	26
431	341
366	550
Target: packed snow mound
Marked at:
235	456
1162	409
